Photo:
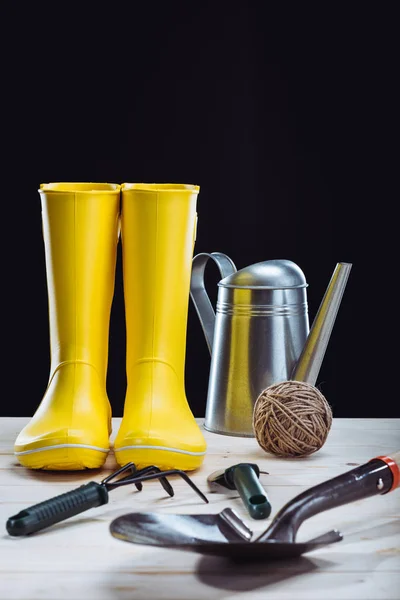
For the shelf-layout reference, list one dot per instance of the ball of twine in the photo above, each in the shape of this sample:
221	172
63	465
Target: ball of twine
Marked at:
291	418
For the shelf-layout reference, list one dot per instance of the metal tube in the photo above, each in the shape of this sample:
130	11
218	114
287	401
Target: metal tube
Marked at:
310	360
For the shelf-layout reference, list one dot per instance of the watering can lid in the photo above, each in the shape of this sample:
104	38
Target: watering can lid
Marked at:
269	274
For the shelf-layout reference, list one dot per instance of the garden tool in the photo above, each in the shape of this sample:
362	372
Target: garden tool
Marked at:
259	334
225	534
90	495
71	426
244	478
158	228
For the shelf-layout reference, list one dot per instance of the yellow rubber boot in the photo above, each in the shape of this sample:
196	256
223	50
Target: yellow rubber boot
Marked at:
158	224
71	427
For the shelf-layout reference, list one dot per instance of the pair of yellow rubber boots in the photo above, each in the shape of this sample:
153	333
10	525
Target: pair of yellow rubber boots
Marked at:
81	225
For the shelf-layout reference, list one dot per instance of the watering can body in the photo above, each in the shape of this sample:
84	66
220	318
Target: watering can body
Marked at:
255	336
259	334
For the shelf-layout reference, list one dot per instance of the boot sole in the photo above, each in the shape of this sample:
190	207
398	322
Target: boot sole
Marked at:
67	457
163	458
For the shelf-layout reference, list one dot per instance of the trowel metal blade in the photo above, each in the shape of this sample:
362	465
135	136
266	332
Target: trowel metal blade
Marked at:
170	529
208	534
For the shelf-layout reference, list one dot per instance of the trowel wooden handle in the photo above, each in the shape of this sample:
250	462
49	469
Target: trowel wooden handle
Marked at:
393	462
378	476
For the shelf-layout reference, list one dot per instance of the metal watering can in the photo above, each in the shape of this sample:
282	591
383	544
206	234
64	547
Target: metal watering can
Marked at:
260	333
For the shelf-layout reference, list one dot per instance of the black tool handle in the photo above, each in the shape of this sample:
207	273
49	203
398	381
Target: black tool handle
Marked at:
251	491
57	509
378	476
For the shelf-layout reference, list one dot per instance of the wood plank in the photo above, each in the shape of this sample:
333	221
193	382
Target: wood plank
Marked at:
311	583
80	559
370	547
363	516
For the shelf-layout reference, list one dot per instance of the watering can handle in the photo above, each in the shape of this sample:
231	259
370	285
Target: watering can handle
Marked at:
198	292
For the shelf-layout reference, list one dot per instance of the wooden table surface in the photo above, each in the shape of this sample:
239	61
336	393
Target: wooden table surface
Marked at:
79	559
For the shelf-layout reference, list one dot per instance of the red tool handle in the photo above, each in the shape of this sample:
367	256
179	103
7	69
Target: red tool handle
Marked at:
380	475
393	462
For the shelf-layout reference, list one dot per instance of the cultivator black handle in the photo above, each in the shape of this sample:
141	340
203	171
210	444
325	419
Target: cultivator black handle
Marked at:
57	509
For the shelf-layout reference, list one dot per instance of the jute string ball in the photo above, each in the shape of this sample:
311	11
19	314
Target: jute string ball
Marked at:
291	418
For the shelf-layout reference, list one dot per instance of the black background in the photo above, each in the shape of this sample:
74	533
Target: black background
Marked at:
287	119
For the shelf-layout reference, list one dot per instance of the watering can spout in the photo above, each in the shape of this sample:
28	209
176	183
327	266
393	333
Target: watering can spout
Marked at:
312	355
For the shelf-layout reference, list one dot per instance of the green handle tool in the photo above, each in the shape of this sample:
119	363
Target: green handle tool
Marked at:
243	477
